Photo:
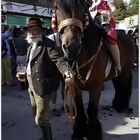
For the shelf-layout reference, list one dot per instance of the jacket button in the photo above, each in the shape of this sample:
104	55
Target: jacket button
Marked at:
36	71
35	62
38	79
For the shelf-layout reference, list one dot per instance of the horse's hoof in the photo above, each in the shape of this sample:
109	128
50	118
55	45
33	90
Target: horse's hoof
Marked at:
120	108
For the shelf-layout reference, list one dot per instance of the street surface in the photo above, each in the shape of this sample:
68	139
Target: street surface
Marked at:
18	123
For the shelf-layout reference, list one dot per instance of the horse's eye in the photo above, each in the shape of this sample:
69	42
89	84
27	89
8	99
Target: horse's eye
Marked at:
62	31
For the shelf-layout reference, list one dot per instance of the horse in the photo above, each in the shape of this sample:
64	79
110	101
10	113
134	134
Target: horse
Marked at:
87	52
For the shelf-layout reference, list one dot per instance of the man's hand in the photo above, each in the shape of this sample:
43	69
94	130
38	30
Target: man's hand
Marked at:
21	77
68	78
17	75
68	74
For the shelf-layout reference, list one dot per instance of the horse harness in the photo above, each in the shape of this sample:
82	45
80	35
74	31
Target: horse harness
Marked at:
69	88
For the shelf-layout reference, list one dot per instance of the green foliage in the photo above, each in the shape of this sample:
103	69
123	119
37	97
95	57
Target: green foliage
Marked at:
124	10
133	7
121	8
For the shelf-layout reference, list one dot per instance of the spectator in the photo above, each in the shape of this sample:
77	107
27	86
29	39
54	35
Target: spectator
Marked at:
130	33
136	36
21	46
136	41
7	78
21	51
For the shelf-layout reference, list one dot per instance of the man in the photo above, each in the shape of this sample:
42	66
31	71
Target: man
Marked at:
21	46
7	78
136	41
105	10
42	73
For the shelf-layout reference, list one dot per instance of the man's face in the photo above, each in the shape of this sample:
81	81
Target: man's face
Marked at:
34	31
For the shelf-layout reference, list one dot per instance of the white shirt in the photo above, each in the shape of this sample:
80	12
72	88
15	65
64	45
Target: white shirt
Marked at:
55	37
28	70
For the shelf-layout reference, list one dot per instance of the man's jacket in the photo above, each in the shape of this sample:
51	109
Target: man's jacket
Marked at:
44	64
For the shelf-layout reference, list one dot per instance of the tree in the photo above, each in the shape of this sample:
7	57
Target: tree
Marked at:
121	9
133	7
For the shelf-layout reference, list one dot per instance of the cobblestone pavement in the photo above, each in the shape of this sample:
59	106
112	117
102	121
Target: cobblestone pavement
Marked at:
18	123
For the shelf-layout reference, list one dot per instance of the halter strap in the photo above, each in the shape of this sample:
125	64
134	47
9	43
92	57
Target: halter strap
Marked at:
70	21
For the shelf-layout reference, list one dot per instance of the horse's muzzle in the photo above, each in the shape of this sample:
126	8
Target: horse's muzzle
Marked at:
71	52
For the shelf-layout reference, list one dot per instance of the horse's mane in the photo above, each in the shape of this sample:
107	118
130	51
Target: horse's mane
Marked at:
93	34
70	6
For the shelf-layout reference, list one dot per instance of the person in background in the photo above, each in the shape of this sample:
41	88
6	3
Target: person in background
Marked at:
136	41
105	10
13	55
130	33
7	78
136	36
21	46
43	62
2	29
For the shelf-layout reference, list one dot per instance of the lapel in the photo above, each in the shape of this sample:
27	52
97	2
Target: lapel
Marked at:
37	50
28	53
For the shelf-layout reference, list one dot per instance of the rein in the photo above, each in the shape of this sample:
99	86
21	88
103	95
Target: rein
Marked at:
93	59
69	90
70	85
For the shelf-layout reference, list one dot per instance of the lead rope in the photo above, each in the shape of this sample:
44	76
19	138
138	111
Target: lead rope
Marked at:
93	63
69	90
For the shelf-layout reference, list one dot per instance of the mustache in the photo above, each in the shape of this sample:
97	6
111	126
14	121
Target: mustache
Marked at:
36	38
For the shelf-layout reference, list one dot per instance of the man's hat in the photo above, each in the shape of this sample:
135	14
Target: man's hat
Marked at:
34	22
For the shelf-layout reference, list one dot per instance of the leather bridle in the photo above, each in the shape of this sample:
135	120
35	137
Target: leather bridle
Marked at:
70	22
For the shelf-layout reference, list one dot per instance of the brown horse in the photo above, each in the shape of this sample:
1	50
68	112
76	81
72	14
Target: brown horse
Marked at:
87	53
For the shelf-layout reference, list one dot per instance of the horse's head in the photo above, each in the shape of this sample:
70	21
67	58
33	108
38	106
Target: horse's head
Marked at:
69	16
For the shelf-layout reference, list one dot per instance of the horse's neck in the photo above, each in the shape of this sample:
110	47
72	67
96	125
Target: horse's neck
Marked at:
91	39
90	43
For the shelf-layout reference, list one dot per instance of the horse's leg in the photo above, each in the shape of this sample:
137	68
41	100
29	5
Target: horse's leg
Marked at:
94	131
123	89
80	123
